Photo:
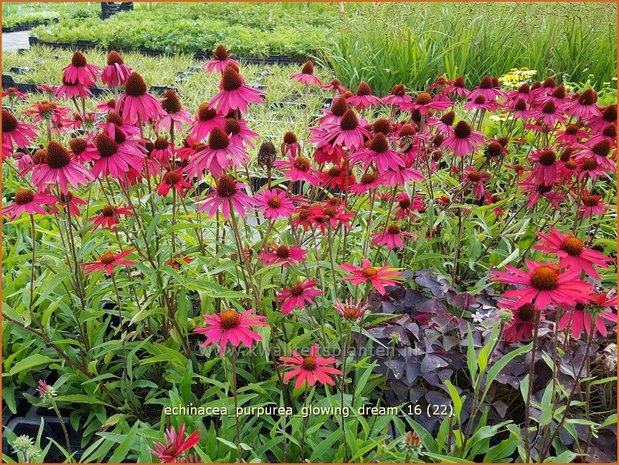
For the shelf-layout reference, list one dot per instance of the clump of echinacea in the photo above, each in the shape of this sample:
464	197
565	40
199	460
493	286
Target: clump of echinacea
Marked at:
231	326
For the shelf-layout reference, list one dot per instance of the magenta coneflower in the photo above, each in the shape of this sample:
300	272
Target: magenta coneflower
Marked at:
571	134
15	132
364	98
60	169
274	203
338	177
486	88
173	449
82	150
117	155
349	133
239	132
27	201
378	277
335	112
12	93
380	153
464	140
290	144
543	285
228	194
584	106
545	167
69	91
391	237
549	114
234	94
283	255
220	60
572	252
231	327
206	120
478	180
306	76
173	179
298	295
109	217
369	180
298	169
600	152
457	86
520	327
480	103
116	73
79	71
72	201
350	310
335	86
162	151
108	261
398	97
590	319
591	205
136	105
311	369
424	102
174	114
218	155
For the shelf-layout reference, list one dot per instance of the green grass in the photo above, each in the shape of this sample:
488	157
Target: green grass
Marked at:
418	42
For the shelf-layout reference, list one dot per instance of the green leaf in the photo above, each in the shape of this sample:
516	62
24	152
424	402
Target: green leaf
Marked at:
500	364
471	356
29	363
546	416
457	401
120	453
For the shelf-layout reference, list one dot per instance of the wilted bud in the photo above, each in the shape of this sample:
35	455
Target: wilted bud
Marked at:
411	442
266	155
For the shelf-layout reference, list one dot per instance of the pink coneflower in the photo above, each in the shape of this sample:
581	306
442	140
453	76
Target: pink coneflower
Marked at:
379	153
218	155
220	60
338	177
71	91
283	255
298	169
487	89
60	169
591	205
457	86
349	133
116	73
335	86
590	319
520	110
545	167
543	285
299	294
117	155
175	445
402	175
274	203
206	120
364	98
79	71
350	310
27	201
523	92
311	369
306	76
424	102
549	114
331	215
608	134
478	180
234	94
464	140
48	89
290	144
335	112
109	217
15	132
108	261
231	327
480	103
136	105
378	277
520	327
227	194
44	110
590	168
397	97
174	114
600	152
74	202
391	237
369	180
173	179
12	93
162	151
239	133
83	151
608	116
572	252
583	107
571	134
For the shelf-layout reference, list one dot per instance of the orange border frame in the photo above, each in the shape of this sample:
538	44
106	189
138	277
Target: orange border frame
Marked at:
616	2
